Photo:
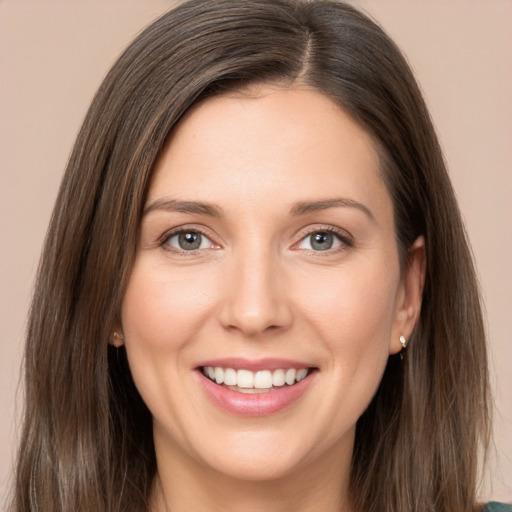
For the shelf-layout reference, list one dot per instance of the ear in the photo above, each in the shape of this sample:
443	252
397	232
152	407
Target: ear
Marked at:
410	292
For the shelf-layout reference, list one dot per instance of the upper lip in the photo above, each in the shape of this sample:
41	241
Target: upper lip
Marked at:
266	363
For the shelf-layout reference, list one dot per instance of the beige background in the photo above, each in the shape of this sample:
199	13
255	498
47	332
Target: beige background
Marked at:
53	55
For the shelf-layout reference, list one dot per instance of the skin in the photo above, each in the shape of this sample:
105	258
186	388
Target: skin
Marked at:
256	288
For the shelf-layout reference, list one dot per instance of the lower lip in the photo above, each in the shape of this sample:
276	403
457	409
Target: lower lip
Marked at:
254	404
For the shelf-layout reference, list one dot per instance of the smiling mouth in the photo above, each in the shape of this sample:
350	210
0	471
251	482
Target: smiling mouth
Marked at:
262	381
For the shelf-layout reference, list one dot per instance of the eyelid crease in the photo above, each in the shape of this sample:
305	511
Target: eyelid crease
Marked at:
343	234
346	239
162	241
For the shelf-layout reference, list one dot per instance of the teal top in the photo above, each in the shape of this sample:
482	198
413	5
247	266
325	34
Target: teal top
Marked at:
494	506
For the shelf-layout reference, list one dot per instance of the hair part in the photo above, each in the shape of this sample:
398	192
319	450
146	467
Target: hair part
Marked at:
87	438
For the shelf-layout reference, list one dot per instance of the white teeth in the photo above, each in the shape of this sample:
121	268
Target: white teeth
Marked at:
301	374
230	377
278	378
244	379
289	376
262	379
219	375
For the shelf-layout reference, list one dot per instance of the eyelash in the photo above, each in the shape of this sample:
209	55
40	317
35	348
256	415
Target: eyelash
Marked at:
345	239
178	231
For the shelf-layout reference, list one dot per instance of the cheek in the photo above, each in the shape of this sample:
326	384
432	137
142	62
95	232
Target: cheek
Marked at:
349	313
162	309
353	309
162	312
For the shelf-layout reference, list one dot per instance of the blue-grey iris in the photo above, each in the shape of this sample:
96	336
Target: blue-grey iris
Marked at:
322	241
189	241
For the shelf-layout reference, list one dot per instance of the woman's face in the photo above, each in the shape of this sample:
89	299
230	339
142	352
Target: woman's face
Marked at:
267	251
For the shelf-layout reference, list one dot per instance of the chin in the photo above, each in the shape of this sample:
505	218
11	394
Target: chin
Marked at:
257	468
272	455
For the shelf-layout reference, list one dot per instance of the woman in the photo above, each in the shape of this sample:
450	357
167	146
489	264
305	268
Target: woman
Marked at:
256	290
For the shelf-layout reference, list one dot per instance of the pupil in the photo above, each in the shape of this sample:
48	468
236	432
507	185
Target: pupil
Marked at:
322	241
190	241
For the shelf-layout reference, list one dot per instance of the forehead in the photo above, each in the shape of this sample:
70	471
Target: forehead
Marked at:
270	142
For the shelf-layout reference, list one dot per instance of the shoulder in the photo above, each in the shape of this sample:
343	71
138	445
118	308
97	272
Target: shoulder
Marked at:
494	506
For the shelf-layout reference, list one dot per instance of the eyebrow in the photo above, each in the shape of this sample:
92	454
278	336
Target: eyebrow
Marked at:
175	205
212	210
305	207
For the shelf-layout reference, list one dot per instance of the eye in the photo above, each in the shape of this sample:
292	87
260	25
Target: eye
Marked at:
322	240
189	240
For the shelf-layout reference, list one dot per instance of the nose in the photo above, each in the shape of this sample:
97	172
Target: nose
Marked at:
254	298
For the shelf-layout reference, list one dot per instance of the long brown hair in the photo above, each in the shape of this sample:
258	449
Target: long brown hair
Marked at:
86	443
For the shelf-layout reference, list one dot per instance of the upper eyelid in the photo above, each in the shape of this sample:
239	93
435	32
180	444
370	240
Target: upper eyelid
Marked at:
164	239
185	229
172	234
344	235
340	232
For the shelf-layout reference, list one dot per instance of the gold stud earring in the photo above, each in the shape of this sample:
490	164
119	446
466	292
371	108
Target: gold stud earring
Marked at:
118	340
